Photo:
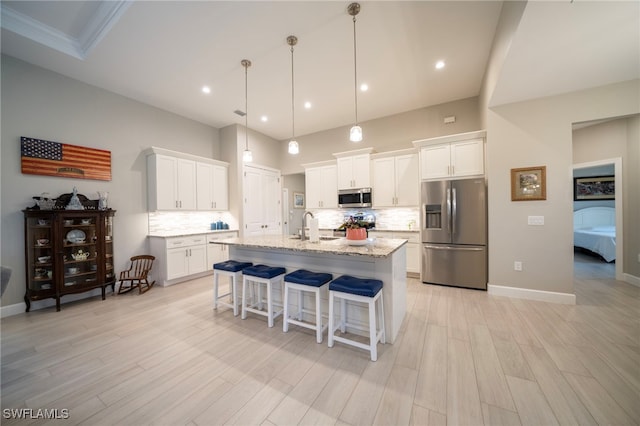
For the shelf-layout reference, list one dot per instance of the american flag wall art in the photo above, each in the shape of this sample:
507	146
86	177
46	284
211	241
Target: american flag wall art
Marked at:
41	157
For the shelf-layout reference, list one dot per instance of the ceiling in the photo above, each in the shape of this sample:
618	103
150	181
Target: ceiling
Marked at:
163	52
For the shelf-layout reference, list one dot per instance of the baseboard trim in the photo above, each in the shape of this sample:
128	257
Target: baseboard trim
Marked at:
631	279
19	308
527	293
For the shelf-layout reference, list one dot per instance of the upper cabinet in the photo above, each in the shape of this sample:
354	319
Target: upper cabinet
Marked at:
178	181
354	169
452	156
321	187
395	179
212	187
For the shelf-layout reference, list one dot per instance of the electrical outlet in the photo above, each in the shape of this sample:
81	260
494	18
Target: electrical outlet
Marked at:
517	265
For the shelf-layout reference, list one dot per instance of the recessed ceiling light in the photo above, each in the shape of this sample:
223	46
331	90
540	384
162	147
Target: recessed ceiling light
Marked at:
364	87
264	118
307	105
439	65
206	89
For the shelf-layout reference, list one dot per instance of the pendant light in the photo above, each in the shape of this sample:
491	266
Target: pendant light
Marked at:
355	135
247	156
294	148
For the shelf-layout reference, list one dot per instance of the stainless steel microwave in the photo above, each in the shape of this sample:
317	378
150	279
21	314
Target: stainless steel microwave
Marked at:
359	198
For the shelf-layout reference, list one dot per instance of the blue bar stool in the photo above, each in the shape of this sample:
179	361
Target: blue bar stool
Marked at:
309	282
233	270
257	275
363	290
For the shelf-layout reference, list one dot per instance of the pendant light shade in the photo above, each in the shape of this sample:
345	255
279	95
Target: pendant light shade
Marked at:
247	156
294	148
355	135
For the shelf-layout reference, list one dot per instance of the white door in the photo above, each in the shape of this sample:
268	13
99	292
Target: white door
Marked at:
204	186
262	204
345	173
467	158
383	182
252	191
186	184
166	182
361	171
286	216
220	188
271	202
435	161
406	180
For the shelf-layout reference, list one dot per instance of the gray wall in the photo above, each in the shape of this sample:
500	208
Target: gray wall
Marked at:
42	104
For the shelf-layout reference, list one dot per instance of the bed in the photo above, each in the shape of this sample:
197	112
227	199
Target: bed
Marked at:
594	229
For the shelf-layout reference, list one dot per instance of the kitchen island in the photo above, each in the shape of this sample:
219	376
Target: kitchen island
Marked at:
382	259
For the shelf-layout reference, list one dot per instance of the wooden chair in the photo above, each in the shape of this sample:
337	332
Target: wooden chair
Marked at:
136	275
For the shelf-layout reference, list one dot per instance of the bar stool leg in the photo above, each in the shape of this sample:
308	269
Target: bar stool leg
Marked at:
383	337
343	315
318	317
215	290
234	293
300	305
269	305
244	298
285	312
373	330
331	321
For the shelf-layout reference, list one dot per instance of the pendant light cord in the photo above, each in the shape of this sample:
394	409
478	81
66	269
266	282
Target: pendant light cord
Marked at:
355	68
246	110
293	117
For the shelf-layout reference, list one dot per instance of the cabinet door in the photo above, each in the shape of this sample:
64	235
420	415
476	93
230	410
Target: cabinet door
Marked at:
345	173
313	187
220	188
186	184
435	161
384	193
253	225
177	264
361	171
262	194
406	180
204	186
197	259
164	183
467	158
329	187
413	257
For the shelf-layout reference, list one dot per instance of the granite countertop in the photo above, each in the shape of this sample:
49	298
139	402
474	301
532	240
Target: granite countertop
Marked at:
394	230
168	234
374	247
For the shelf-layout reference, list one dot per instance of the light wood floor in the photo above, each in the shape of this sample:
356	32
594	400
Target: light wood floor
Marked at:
462	358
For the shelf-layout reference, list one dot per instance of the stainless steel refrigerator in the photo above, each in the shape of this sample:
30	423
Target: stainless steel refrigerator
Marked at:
454	233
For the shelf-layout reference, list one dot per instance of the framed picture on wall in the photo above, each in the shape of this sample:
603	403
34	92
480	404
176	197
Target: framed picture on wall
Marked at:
594	188
529	183
298	200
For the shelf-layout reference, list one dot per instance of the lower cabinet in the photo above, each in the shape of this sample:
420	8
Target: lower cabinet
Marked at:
217	252
413	246
186	257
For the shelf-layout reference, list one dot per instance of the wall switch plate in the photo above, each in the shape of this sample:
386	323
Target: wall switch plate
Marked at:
517	266
449	120
535	220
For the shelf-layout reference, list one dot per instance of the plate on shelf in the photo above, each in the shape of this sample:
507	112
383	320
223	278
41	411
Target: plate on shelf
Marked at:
76	236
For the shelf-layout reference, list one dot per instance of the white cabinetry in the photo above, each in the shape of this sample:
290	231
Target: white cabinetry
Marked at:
262	200
321	188
413	246
172	183
178	257
217	252
178	181
452	156
354	171
212	187
395	180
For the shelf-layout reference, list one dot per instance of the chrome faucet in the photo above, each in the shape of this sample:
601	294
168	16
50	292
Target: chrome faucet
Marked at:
304	218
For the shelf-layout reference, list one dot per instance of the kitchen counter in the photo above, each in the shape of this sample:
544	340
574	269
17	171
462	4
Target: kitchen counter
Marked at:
383	259
373	248
169	234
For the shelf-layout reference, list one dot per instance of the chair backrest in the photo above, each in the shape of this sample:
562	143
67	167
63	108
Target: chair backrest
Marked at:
141	265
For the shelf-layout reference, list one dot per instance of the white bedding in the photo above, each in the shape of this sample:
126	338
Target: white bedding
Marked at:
598	239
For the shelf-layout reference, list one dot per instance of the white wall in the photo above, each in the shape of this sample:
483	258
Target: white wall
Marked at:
535	133
42	104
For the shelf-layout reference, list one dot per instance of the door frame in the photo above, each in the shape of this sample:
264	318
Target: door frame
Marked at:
618	203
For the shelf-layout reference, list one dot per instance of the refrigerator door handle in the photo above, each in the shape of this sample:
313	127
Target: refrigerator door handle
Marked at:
454	209
458	248
449	210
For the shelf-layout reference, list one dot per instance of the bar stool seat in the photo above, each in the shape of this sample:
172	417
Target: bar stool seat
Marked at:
362	290
257	275
233	270
309	282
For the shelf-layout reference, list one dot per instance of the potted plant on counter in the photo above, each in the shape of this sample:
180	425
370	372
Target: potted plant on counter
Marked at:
354	230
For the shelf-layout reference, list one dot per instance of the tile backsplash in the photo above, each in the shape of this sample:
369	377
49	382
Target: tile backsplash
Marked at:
168	222
396	219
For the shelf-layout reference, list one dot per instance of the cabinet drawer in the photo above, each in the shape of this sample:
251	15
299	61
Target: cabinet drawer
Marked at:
221	236
186	241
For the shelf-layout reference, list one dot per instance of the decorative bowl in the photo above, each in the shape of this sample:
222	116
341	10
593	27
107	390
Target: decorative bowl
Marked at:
73	270
44	259
86	221
42	242
43	222
68	222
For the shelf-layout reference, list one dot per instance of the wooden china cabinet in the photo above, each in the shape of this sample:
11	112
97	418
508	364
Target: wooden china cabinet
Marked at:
66	252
